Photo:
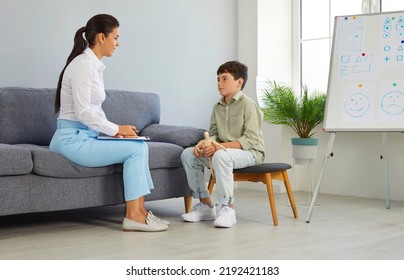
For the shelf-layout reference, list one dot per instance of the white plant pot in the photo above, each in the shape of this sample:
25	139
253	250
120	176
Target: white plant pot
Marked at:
304	150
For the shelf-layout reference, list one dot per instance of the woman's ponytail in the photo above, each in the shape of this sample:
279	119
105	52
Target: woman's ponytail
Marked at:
80	44
86	37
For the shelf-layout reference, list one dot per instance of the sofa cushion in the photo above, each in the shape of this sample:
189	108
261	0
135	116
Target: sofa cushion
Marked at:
27	115
50	164
134	108
184	136
162	156
14	160
32	110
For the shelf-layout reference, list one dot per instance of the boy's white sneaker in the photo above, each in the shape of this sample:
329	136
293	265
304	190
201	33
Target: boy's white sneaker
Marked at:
200	212
226	218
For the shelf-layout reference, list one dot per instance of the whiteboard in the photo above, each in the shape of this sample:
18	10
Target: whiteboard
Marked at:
366	78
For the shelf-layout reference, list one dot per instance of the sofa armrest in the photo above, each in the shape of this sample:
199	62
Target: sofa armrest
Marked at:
15	160
184	136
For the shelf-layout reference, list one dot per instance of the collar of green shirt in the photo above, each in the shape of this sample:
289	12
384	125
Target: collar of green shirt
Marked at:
236	97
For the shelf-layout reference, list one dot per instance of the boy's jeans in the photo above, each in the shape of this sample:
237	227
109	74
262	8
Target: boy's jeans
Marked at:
223	163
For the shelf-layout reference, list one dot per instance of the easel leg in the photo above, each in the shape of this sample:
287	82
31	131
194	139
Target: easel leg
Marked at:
386	171
320	177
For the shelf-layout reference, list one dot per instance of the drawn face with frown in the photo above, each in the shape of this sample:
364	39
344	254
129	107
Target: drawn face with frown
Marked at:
393	103
356	105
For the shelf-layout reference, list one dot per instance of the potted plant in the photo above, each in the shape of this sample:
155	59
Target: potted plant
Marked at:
302	113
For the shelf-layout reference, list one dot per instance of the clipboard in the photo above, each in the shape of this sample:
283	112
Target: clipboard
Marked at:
140	138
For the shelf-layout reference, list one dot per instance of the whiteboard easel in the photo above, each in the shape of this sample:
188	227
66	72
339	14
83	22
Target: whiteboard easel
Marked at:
365	83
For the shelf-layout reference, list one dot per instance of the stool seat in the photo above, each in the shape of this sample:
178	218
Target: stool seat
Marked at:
265	173
263	168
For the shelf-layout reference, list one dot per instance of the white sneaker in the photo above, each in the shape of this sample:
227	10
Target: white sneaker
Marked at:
226	218
200	212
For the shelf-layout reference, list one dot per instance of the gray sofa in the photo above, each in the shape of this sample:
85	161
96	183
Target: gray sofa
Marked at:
34	179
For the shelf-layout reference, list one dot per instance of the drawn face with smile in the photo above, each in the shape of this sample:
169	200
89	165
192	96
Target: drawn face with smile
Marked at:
393	103
356	105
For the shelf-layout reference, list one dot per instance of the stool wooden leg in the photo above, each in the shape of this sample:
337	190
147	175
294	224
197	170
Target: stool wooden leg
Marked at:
271	198
290	193
212	182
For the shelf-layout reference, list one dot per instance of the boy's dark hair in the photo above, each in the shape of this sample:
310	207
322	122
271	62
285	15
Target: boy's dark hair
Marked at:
236	69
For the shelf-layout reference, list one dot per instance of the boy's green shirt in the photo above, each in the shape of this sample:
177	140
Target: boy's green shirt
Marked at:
240	120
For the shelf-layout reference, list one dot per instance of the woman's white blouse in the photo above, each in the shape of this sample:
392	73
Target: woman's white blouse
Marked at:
83	93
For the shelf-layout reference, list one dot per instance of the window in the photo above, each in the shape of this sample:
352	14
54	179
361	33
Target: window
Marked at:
316	29
392	5
317	20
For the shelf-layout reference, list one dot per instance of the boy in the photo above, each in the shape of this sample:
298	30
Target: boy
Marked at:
236	123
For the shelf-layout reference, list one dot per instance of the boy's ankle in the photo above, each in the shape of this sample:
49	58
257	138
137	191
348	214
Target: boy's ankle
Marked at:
207	201
210	204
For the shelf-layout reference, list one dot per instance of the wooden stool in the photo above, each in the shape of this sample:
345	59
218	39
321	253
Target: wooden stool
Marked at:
265	173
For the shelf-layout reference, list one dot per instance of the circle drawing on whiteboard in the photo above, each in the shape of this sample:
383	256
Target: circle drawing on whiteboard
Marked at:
356	105
393	103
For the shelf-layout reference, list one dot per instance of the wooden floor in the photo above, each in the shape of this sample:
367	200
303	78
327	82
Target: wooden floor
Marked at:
342	228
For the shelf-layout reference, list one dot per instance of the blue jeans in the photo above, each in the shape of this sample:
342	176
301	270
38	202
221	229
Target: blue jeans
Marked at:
80	145
223	163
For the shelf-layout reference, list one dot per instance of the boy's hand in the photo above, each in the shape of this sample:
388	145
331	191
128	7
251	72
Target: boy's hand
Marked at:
201	150
209	151
198	150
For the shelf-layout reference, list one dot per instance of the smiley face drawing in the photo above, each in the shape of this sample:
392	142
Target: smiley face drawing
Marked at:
393	103
356	105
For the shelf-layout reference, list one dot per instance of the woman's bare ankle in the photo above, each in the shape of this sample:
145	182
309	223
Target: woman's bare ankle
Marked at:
140	218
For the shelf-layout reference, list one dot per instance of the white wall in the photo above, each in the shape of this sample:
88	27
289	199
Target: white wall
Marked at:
171	47
356	168
259	21
265	46
274	60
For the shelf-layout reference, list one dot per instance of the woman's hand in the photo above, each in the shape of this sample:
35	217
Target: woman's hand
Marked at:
127	131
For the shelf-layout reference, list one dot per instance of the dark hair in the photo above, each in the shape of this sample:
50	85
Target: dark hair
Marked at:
101	23
236	69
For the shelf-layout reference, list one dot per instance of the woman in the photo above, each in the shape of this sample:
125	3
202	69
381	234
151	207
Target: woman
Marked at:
79	95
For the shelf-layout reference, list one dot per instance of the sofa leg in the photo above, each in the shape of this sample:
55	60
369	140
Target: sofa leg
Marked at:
188	203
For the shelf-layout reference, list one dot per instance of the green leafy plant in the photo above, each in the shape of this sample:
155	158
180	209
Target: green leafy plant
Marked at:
302	113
